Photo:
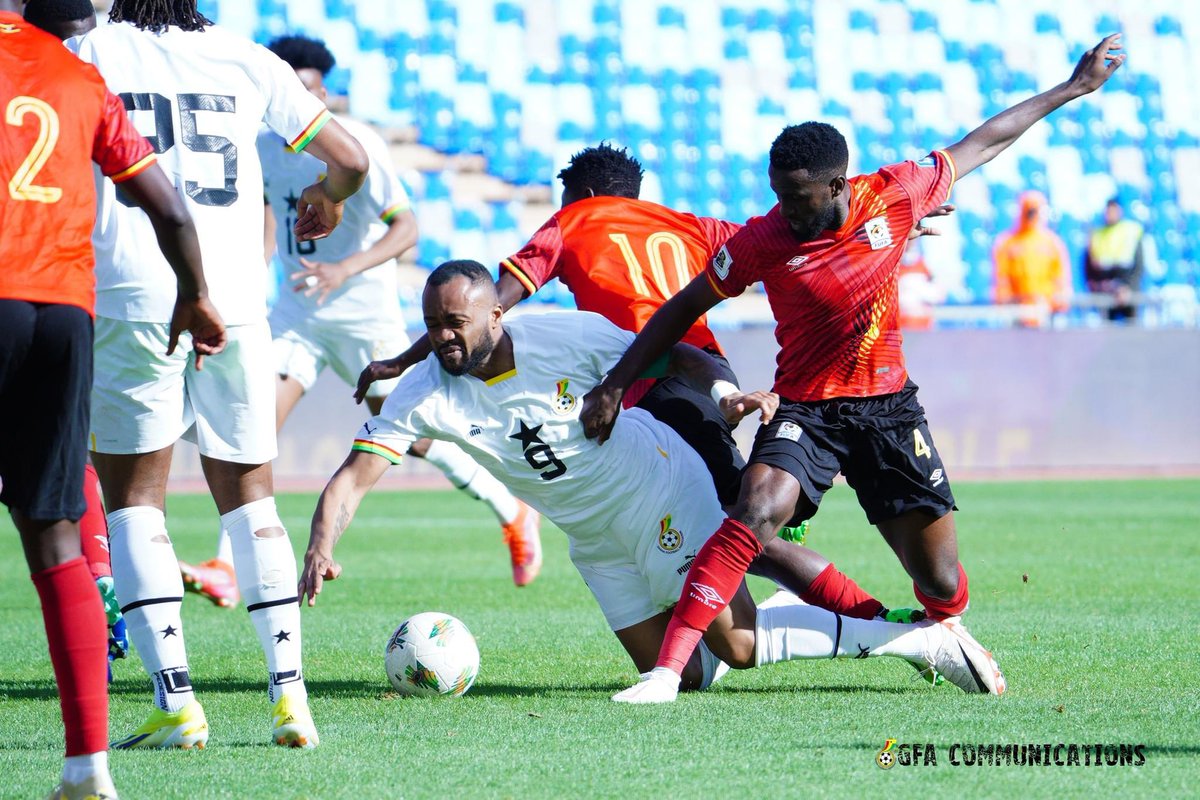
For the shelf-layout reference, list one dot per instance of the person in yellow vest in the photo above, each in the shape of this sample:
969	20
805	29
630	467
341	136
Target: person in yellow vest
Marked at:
1032	265
1113	262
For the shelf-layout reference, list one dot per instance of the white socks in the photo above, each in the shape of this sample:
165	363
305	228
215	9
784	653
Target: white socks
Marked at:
266	576
150	591
78	769
465	474
224	547
793	630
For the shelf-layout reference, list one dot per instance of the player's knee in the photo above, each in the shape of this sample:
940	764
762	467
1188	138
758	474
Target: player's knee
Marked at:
764	520
941	582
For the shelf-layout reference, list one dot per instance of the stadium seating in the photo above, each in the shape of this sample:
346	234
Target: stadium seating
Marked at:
699	89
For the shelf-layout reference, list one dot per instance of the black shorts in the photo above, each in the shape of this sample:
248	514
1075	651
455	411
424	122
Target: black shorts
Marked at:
45	397
881	444
695	417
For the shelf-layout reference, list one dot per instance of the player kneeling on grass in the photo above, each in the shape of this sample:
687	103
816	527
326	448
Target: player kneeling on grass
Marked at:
634	511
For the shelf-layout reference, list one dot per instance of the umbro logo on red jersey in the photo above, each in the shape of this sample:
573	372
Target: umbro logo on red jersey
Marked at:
797	261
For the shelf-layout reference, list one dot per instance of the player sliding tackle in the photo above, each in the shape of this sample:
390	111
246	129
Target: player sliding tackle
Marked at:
828	255
633	511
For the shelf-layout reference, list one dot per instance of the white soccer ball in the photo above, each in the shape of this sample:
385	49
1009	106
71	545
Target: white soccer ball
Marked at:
432	654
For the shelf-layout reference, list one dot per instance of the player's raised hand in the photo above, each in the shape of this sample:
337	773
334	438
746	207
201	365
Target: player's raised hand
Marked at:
919	230
317	213
319	278
600	409
318	568
737	406
378	371
1097	65
200	318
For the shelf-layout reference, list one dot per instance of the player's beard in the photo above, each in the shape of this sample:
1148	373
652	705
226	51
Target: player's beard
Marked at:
825	221
479	353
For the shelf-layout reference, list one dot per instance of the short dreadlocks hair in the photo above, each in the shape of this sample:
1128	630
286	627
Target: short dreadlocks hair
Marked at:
157	15
815	147
45	14
301	52
605	170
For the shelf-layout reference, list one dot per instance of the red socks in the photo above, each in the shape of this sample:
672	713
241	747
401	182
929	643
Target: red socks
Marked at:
93	528
940	609
835	591
715	576
77	633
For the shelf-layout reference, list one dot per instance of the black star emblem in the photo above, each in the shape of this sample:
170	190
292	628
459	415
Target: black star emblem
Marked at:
168	631
282	636
527	436
291	200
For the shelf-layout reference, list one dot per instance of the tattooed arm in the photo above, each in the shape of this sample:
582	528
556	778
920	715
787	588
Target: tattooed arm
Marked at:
346	489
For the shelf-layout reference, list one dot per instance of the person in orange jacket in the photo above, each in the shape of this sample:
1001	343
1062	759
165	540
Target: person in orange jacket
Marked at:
1032	268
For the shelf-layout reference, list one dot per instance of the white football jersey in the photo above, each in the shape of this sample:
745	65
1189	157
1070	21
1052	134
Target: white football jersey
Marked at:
200	98
369	295
524	428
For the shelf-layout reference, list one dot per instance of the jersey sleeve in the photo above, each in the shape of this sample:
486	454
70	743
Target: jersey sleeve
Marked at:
927	182
729	272
717	232
538	261
292	111
119	150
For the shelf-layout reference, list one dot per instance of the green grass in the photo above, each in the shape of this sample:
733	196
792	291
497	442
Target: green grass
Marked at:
1098	644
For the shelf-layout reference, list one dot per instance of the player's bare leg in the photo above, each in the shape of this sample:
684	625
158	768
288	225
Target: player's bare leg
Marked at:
927	547
288	392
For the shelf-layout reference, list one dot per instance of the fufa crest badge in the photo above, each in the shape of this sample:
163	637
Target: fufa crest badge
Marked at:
564	401
878	233
721	263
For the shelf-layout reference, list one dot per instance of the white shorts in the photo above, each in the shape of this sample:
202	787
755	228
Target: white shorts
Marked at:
144	400
305	346
649	581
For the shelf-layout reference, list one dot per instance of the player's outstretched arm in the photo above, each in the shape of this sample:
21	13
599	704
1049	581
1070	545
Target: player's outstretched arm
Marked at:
703	372
345	490
989	139
155	194
329	276
320	207
508	288
668	325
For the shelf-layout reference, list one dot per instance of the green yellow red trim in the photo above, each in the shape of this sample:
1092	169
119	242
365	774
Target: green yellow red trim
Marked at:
503	376
129	172
366	446
389	214
298	144
520	276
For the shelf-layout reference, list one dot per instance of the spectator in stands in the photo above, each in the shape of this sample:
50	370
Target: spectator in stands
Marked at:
1031	264
1114	260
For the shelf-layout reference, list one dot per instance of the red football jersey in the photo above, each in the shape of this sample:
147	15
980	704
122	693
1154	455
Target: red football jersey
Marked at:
835	299
622	258
57	117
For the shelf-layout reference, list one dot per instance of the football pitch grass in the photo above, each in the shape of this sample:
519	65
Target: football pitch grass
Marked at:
1086	591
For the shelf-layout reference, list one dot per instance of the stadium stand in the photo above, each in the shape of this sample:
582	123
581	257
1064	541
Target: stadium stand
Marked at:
698	91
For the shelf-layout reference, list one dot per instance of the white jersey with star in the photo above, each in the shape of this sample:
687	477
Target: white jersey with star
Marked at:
200	98
369	295
523	427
